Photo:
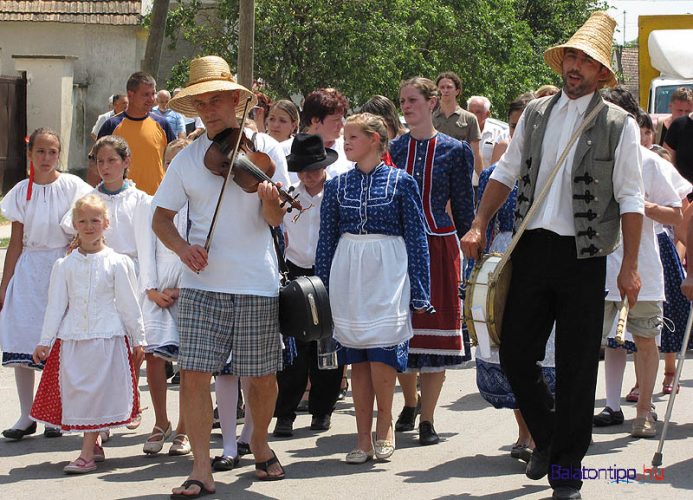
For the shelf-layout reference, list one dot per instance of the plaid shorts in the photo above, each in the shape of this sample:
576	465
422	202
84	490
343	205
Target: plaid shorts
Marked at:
217	328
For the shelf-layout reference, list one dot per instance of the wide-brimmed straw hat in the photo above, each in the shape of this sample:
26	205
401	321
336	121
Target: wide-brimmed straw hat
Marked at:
209	74
594	38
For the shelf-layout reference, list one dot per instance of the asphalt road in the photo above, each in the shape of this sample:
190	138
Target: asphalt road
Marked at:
472	461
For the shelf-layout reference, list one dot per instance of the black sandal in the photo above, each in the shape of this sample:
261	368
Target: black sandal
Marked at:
187	484
264	466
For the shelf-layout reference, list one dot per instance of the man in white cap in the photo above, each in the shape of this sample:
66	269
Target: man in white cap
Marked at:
559	263
228	310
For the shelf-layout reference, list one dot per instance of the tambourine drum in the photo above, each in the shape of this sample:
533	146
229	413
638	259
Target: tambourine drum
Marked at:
482	292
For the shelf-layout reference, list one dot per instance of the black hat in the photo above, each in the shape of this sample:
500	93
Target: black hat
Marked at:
309	153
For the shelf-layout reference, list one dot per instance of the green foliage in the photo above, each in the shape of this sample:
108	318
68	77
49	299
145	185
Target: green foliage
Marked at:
179	74
367	47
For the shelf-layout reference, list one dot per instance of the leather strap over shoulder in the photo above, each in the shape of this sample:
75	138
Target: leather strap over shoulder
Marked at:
283	268
547	186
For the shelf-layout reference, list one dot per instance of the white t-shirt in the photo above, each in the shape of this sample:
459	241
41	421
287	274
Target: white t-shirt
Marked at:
303	232
100	121
267	144
490	136
682	186
242	259
197	121
659	190
286	146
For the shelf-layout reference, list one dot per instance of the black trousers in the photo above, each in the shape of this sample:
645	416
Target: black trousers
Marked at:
292	380
550	284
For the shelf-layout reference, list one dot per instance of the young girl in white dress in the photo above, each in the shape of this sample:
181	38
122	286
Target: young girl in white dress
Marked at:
160	272
129	209
94	323
35	206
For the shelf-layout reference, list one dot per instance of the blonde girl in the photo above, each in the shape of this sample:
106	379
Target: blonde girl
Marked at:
129	209
94	324
35	206
373	256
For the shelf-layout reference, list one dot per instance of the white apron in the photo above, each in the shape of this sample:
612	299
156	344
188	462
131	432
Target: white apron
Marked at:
370	291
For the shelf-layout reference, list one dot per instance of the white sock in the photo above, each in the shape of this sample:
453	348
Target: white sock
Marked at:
247	430
24	378
614	366
227	398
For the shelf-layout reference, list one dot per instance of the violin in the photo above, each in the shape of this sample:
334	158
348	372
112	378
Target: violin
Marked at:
250	167
232	154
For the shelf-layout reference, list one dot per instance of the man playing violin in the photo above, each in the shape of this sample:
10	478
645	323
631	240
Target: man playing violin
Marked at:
228	311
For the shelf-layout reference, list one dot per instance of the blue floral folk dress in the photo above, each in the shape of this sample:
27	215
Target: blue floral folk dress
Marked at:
378	213
442	167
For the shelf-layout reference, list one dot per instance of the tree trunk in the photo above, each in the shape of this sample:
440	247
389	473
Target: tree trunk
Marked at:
246	42
157	29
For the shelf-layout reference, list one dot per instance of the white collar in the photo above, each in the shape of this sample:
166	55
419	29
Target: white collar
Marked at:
580	103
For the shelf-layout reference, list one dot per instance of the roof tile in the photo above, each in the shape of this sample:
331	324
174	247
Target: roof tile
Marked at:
115	12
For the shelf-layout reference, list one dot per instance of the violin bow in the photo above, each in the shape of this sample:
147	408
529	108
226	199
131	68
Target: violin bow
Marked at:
232	158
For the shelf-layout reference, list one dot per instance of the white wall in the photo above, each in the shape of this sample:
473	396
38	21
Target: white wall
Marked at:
106	56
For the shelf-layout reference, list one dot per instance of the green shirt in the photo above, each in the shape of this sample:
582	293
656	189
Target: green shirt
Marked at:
461	124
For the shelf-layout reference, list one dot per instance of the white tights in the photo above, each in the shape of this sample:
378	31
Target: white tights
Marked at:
24	378
614	366
226	387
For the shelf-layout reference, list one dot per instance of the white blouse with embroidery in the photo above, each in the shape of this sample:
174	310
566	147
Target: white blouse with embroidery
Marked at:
93	296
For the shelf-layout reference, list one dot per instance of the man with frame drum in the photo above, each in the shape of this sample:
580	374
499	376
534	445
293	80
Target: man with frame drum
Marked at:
559	263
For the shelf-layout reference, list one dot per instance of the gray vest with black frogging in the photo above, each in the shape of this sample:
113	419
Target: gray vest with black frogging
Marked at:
595	210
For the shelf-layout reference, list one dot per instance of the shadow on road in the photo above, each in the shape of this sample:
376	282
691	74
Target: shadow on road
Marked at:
469	402
466	467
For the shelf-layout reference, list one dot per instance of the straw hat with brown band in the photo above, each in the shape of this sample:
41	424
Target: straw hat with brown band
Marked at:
209	74
594	38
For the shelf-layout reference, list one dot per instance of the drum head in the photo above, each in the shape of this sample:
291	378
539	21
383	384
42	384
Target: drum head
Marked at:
467	303
477	293
497	297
